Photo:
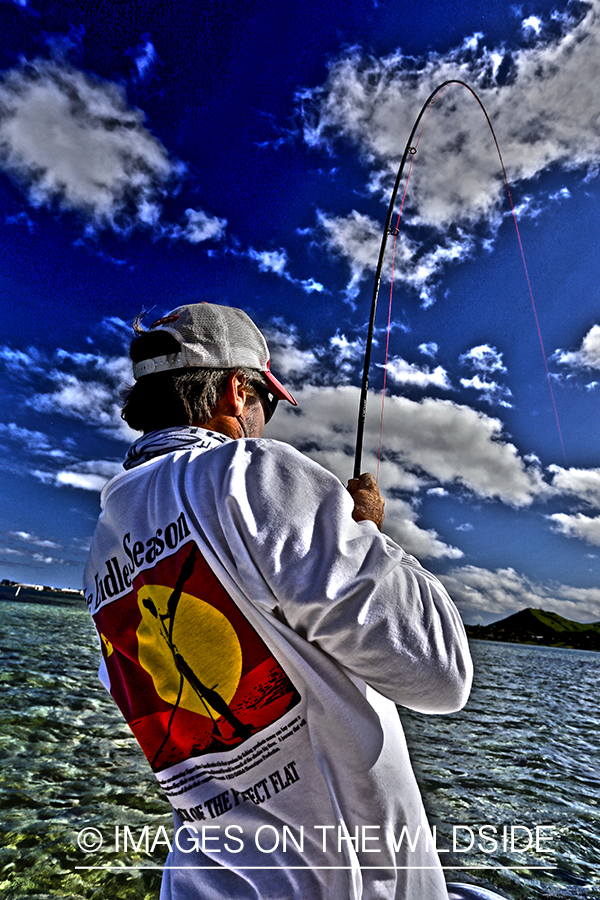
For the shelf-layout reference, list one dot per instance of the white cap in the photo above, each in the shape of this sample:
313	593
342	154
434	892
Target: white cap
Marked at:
212	336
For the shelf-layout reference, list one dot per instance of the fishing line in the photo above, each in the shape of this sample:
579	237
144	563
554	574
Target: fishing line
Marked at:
411	150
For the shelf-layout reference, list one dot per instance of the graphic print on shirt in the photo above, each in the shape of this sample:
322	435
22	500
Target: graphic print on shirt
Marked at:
188	671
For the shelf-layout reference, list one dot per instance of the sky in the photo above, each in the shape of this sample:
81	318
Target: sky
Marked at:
156	154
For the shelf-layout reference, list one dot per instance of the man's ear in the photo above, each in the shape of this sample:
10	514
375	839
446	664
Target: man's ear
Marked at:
235	393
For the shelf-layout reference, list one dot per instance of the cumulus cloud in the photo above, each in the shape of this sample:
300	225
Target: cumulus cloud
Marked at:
481	593
541	99
532	23
73	141
484	359
27	556
403	372
588	355
432	443
562	194
429	349
454	443
577	525
288	360
582	483
25	364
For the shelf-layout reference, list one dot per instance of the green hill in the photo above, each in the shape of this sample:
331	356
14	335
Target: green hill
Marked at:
537	626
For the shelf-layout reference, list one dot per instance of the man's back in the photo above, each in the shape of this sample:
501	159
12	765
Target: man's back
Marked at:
256	639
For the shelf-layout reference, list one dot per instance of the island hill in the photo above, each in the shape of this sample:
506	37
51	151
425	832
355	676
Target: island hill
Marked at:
536	626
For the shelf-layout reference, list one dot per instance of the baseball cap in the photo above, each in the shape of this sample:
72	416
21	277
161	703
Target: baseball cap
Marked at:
213	336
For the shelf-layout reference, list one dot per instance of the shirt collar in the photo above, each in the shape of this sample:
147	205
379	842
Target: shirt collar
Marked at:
168	440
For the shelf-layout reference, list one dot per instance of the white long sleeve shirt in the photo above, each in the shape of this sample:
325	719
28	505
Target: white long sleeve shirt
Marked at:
257	639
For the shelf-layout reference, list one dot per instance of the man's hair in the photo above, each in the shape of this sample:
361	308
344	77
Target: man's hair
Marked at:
175	397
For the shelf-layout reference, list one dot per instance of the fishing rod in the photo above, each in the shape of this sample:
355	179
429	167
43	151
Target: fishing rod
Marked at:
409	150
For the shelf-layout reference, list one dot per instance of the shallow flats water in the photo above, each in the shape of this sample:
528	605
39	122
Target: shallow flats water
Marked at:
523	753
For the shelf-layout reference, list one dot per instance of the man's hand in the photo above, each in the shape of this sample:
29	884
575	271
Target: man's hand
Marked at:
368	502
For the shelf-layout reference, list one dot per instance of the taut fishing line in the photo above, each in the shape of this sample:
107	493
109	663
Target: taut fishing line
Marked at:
410	150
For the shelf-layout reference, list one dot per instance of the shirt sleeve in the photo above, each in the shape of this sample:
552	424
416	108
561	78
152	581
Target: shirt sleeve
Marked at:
341	584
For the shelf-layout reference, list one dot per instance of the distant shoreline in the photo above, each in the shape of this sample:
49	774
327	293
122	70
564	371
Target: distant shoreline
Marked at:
15	593
530	627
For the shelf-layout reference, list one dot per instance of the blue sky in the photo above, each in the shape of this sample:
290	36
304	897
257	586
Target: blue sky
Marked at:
245	154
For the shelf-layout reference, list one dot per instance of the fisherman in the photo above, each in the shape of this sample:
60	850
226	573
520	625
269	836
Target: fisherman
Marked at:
258	629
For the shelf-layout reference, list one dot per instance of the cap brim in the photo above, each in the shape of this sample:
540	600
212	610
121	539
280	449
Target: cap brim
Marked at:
278	388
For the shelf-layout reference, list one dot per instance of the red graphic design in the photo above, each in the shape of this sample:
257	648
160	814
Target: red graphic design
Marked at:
186	668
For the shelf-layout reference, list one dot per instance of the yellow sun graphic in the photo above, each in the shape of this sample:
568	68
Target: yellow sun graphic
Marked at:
201	635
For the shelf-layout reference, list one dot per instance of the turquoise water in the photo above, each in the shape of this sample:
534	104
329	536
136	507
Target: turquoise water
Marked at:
524	752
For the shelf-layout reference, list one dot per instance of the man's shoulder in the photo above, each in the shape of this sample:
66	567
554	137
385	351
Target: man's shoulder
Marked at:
267	452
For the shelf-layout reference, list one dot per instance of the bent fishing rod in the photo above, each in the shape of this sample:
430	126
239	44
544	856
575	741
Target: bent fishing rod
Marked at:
409	150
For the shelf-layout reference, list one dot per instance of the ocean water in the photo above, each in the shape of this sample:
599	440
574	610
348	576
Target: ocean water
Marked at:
523	753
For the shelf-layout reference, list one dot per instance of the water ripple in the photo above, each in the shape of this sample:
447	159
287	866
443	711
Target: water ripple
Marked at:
524	751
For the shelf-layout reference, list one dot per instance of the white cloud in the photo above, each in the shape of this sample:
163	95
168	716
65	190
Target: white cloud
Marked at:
288	361
33	540
91	475
487	360
505	591
532	23
429	349
562	194
310	286
94	402
544	110
276	261
348	355
403	372
72	140
453	443
357	239
583	483
200	226
34	441
270	260
27	557
435	440
484	359
84	386
401	525
491	392
23	363
577	525
588	355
